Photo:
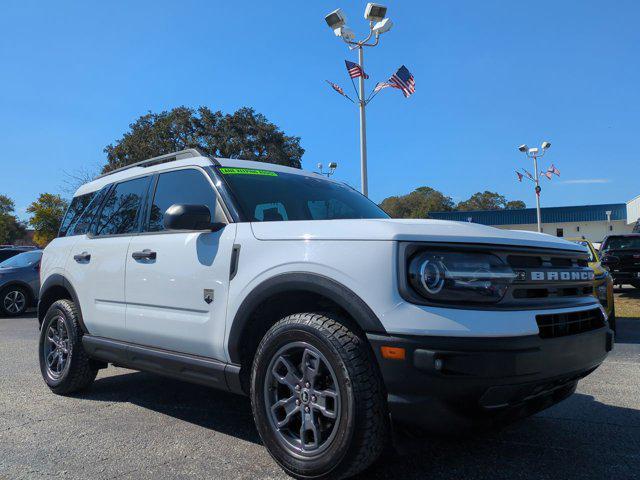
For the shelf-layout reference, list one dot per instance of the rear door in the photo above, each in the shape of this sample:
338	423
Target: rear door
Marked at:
177	295
96	265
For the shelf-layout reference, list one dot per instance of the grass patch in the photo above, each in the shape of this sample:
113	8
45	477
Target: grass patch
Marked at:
627	302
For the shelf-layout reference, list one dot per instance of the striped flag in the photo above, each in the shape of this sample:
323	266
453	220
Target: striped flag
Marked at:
336	87
380	85
529	175
554	170
355	70
520	176
546	174
403	79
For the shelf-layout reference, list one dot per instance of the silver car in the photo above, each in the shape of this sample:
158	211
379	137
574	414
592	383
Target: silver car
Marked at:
19	282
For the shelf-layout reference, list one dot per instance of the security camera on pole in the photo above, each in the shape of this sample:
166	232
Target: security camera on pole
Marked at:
552	170
378	25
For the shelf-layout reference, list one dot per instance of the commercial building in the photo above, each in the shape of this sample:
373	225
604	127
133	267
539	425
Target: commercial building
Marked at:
592	222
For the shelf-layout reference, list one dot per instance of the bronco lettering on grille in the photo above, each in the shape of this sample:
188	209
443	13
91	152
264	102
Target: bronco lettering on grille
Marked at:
561	276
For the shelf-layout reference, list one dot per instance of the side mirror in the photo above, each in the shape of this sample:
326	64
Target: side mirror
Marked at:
609	260
190	217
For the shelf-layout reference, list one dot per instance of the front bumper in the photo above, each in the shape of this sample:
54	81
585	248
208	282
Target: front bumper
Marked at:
449	384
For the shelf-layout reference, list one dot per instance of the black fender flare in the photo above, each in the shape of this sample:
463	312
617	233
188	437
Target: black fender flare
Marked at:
57	280
301	281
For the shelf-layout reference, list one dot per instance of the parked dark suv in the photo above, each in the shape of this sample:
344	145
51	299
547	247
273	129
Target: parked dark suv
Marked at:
19	282
621	255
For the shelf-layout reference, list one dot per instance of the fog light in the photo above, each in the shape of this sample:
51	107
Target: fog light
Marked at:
438	364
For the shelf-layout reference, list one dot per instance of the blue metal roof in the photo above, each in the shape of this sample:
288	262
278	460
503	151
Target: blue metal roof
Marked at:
581	213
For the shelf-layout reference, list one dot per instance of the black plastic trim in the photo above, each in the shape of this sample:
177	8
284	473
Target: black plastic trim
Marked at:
306	282
57	280
190	368
235	258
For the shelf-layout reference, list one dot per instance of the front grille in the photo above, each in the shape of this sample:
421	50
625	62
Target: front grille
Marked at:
552	292
563	324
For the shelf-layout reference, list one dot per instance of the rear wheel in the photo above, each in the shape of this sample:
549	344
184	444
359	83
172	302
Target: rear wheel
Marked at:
317	398
13	301
65	366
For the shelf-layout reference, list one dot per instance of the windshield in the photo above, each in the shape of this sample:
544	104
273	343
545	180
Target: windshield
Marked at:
267	196
622	243
592	257
22	260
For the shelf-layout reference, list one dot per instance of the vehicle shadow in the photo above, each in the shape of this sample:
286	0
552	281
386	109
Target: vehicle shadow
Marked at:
206	407
627	330
509	453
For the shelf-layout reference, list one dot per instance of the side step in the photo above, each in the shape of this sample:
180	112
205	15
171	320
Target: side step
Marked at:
190	368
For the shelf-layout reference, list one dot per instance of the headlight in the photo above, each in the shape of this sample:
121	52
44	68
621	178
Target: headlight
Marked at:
450	277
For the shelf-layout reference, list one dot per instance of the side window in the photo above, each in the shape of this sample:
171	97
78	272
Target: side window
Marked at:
121	209
84	222
77	207
188	187
270	212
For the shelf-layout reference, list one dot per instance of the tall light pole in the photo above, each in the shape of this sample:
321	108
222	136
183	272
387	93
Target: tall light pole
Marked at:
535	153
378	25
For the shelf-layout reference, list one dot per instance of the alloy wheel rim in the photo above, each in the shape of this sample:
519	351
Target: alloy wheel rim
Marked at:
14	301
57	347
302	399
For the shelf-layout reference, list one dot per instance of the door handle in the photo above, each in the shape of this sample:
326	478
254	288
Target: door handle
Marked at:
145	254
83	257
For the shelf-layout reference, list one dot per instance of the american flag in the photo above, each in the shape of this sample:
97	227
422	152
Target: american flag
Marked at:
554	170
403	79
336	87
382	85
355	70
546	174
519	176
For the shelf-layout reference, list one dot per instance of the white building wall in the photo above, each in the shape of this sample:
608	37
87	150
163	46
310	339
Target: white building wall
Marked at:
592	231
633	210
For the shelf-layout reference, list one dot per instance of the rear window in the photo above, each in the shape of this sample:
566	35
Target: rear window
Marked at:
622	243
121	210
75	210
22	260
266	195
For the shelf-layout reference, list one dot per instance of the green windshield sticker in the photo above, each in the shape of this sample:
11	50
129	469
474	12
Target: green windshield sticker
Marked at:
247	171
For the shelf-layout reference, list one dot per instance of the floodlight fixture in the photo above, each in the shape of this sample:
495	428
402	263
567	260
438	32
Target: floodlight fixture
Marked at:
534	151
374	12
333	165
546	145
382	26
345	32
336	19
523	148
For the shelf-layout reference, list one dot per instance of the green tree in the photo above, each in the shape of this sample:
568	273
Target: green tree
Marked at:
47	213
515	205
417	204
489	201
244	134
11	229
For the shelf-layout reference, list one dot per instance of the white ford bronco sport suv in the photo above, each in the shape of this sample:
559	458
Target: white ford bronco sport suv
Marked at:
298	291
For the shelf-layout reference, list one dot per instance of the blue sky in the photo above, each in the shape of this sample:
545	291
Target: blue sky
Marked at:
490	75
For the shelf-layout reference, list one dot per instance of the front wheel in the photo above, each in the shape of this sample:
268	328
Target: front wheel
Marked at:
317	398
13	301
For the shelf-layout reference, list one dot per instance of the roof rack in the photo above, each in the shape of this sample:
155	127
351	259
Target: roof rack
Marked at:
169	157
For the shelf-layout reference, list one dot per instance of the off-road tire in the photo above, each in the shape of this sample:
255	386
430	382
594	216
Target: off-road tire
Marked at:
4	292
80	372
363	428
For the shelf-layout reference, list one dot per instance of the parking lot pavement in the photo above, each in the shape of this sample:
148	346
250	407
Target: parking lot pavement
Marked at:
136	425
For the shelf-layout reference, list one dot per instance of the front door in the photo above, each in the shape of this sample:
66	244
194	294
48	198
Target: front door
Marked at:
177	282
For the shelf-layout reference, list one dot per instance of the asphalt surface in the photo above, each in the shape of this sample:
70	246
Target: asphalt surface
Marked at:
139	426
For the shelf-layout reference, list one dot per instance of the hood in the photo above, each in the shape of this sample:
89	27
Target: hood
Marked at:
406	230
